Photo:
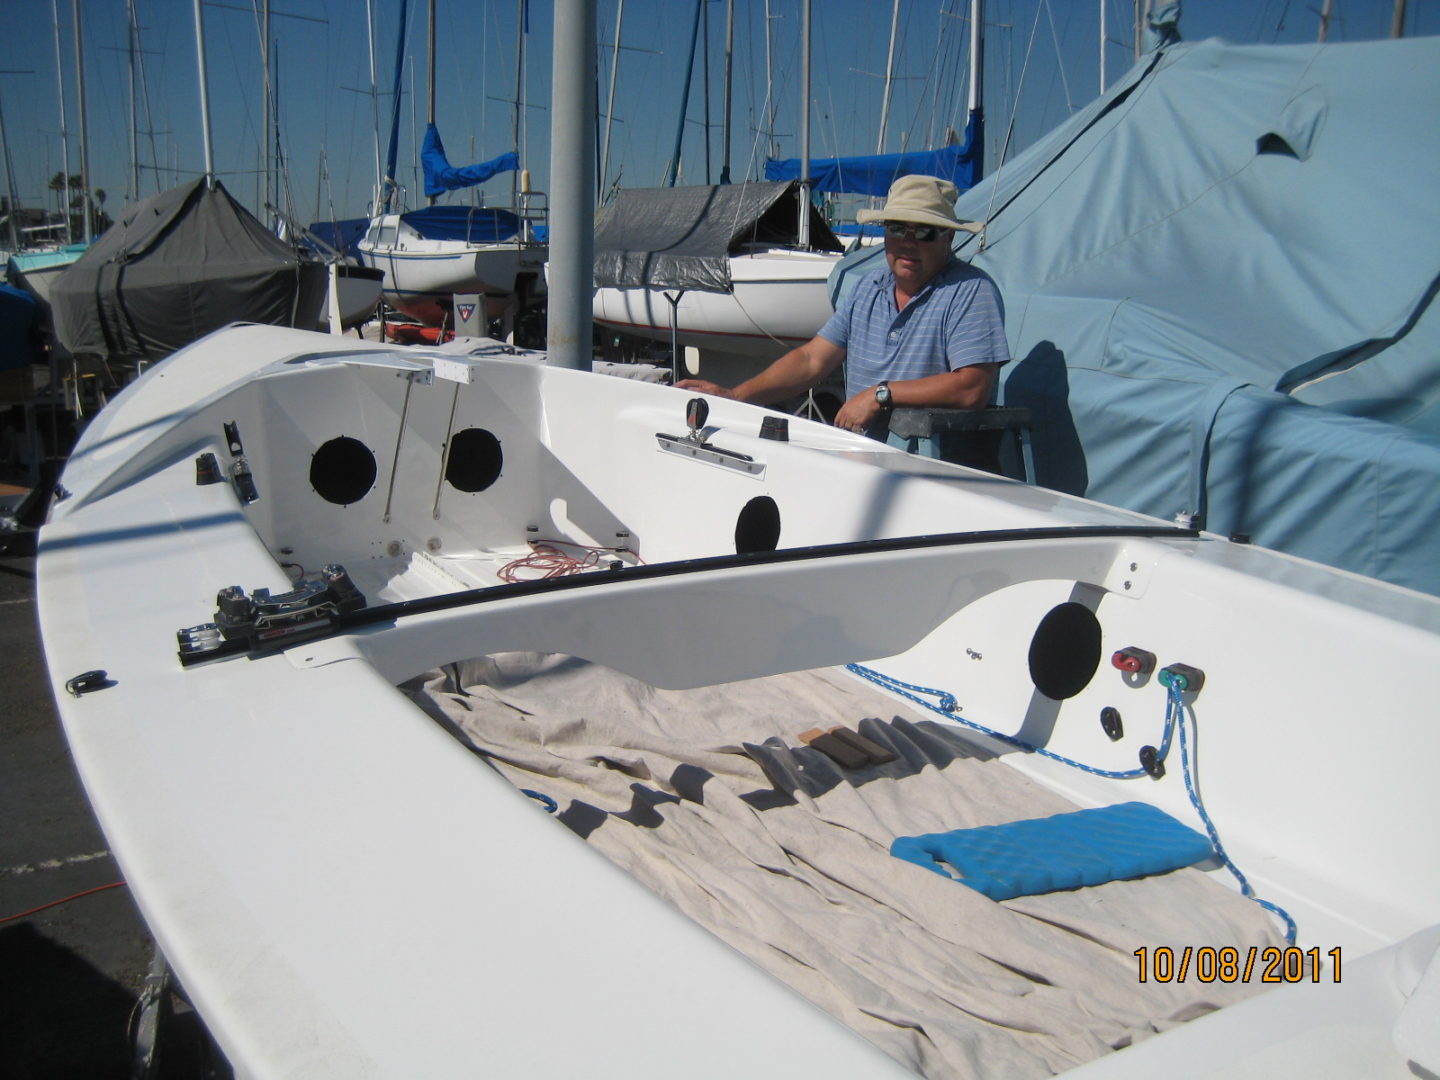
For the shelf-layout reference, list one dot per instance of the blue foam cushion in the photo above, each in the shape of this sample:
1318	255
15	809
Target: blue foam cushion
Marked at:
1066	851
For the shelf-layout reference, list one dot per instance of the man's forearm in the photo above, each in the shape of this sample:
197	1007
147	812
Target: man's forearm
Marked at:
797	371
964	388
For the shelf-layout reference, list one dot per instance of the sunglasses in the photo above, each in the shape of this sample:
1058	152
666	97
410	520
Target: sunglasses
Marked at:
904	230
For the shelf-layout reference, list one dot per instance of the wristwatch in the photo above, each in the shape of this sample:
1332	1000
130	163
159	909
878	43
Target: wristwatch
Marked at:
882	395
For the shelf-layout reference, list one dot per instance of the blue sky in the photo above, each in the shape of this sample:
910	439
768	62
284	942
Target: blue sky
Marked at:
1042	53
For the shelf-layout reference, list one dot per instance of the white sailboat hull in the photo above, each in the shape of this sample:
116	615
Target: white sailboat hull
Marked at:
345	890
356	292
422	275
779	301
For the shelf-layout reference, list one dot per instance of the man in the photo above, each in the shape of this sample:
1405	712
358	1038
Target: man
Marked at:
925	332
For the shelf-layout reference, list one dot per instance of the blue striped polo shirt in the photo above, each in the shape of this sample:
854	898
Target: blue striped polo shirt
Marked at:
956	320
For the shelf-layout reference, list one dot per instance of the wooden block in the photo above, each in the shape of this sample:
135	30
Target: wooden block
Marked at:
876	753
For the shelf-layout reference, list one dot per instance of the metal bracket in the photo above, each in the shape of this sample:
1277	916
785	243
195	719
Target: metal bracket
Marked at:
714	455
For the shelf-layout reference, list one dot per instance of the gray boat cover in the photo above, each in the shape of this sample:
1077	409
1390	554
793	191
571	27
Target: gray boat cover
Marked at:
681	237
1219	284
176	267
708	797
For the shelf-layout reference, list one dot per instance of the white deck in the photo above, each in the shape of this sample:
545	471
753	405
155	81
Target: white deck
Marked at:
345	891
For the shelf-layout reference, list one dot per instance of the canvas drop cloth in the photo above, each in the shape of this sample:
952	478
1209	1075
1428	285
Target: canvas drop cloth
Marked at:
708	797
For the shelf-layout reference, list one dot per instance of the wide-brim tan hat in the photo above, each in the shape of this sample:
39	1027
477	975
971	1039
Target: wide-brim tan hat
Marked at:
925	200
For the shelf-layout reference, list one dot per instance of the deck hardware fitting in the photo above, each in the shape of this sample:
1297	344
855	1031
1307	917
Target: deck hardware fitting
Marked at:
88	681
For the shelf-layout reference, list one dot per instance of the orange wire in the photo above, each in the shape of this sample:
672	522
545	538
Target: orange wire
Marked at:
63	900
551	562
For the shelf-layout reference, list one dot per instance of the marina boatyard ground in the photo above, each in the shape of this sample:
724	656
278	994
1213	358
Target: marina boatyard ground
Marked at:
71	974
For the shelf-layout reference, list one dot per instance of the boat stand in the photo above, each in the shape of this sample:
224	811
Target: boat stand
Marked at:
151	1010
960	435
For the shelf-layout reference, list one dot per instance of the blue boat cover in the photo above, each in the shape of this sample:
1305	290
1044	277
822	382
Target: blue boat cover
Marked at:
441	176
1064	851
873	174
472	224
19	315
1219	281
340	236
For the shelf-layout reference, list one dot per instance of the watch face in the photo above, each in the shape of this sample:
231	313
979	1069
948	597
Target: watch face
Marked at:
882	395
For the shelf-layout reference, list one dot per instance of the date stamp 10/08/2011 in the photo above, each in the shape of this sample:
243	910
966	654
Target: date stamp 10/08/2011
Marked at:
1228	964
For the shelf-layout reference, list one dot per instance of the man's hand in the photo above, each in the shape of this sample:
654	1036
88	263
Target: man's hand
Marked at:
859	412
700	386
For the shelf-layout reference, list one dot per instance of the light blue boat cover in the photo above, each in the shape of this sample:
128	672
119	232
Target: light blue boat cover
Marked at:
1064	851
1219	282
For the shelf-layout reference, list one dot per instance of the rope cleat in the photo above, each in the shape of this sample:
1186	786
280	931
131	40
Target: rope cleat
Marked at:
1182	677
1133	661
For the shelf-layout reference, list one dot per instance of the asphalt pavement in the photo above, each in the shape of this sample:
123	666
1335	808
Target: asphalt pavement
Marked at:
74	952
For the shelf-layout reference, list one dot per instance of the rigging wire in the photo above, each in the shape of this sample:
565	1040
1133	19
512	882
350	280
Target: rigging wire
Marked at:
1010	126
1059	58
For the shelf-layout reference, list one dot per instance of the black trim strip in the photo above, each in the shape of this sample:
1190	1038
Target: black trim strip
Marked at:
339	624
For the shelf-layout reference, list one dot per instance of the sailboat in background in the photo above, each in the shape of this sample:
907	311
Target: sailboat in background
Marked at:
962	163
38	256
430	254
181	264
774	292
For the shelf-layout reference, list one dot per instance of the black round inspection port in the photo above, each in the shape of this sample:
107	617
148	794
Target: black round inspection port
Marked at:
342	470
758	526
475	460
1065	651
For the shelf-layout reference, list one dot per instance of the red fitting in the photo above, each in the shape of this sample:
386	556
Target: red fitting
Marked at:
1133	661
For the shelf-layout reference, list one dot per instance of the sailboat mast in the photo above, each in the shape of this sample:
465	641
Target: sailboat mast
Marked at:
430	71
729	76
84	134
517	178
204	99
132	39
610	104
430	76
1102	45
13	217
771	150
269	109
1397	20
374	98
387	181
64	132
705	83
889	76
803	231
977	55
672	171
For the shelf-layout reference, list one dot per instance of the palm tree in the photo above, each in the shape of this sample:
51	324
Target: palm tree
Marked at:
81	201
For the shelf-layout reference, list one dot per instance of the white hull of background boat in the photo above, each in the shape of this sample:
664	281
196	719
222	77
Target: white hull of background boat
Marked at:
422	275
36	271
779	301
346	891
355	292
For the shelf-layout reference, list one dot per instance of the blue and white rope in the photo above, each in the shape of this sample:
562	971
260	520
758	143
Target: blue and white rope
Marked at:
946	706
